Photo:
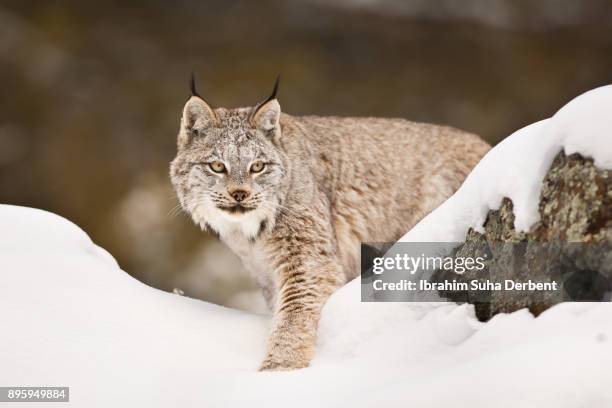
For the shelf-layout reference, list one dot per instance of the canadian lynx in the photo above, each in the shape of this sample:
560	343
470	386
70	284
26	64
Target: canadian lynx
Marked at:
293	197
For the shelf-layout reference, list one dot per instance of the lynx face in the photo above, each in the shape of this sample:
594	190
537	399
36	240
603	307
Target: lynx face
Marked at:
228	170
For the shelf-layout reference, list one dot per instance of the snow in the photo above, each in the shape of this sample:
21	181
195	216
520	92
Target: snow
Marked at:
71	317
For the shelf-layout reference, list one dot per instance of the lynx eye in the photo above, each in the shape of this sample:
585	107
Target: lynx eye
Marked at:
217	167
257	167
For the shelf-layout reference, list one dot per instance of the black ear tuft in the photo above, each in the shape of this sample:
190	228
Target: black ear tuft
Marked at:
270	98
192	85
274	91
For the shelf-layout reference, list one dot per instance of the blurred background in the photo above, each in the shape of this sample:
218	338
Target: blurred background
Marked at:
92	94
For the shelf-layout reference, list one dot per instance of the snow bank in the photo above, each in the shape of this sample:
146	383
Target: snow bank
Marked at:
71	317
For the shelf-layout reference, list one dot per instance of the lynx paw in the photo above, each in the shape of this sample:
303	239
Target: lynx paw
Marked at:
276	364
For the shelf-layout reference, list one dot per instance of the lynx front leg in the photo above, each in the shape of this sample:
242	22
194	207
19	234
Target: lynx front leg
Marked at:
301	297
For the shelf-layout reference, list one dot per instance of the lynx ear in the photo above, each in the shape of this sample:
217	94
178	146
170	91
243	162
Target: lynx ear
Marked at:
266	114
197	114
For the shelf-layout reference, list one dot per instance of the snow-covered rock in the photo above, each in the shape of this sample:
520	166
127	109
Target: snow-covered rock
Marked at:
570	245
71	317
548	182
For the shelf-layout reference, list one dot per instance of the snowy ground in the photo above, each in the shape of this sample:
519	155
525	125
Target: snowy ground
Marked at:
71	317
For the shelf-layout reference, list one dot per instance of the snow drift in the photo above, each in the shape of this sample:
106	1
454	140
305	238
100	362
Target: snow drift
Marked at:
72	317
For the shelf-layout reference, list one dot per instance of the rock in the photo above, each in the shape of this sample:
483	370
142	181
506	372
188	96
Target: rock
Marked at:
571	244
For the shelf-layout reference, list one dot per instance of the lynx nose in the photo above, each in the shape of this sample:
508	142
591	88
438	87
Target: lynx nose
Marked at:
239	195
